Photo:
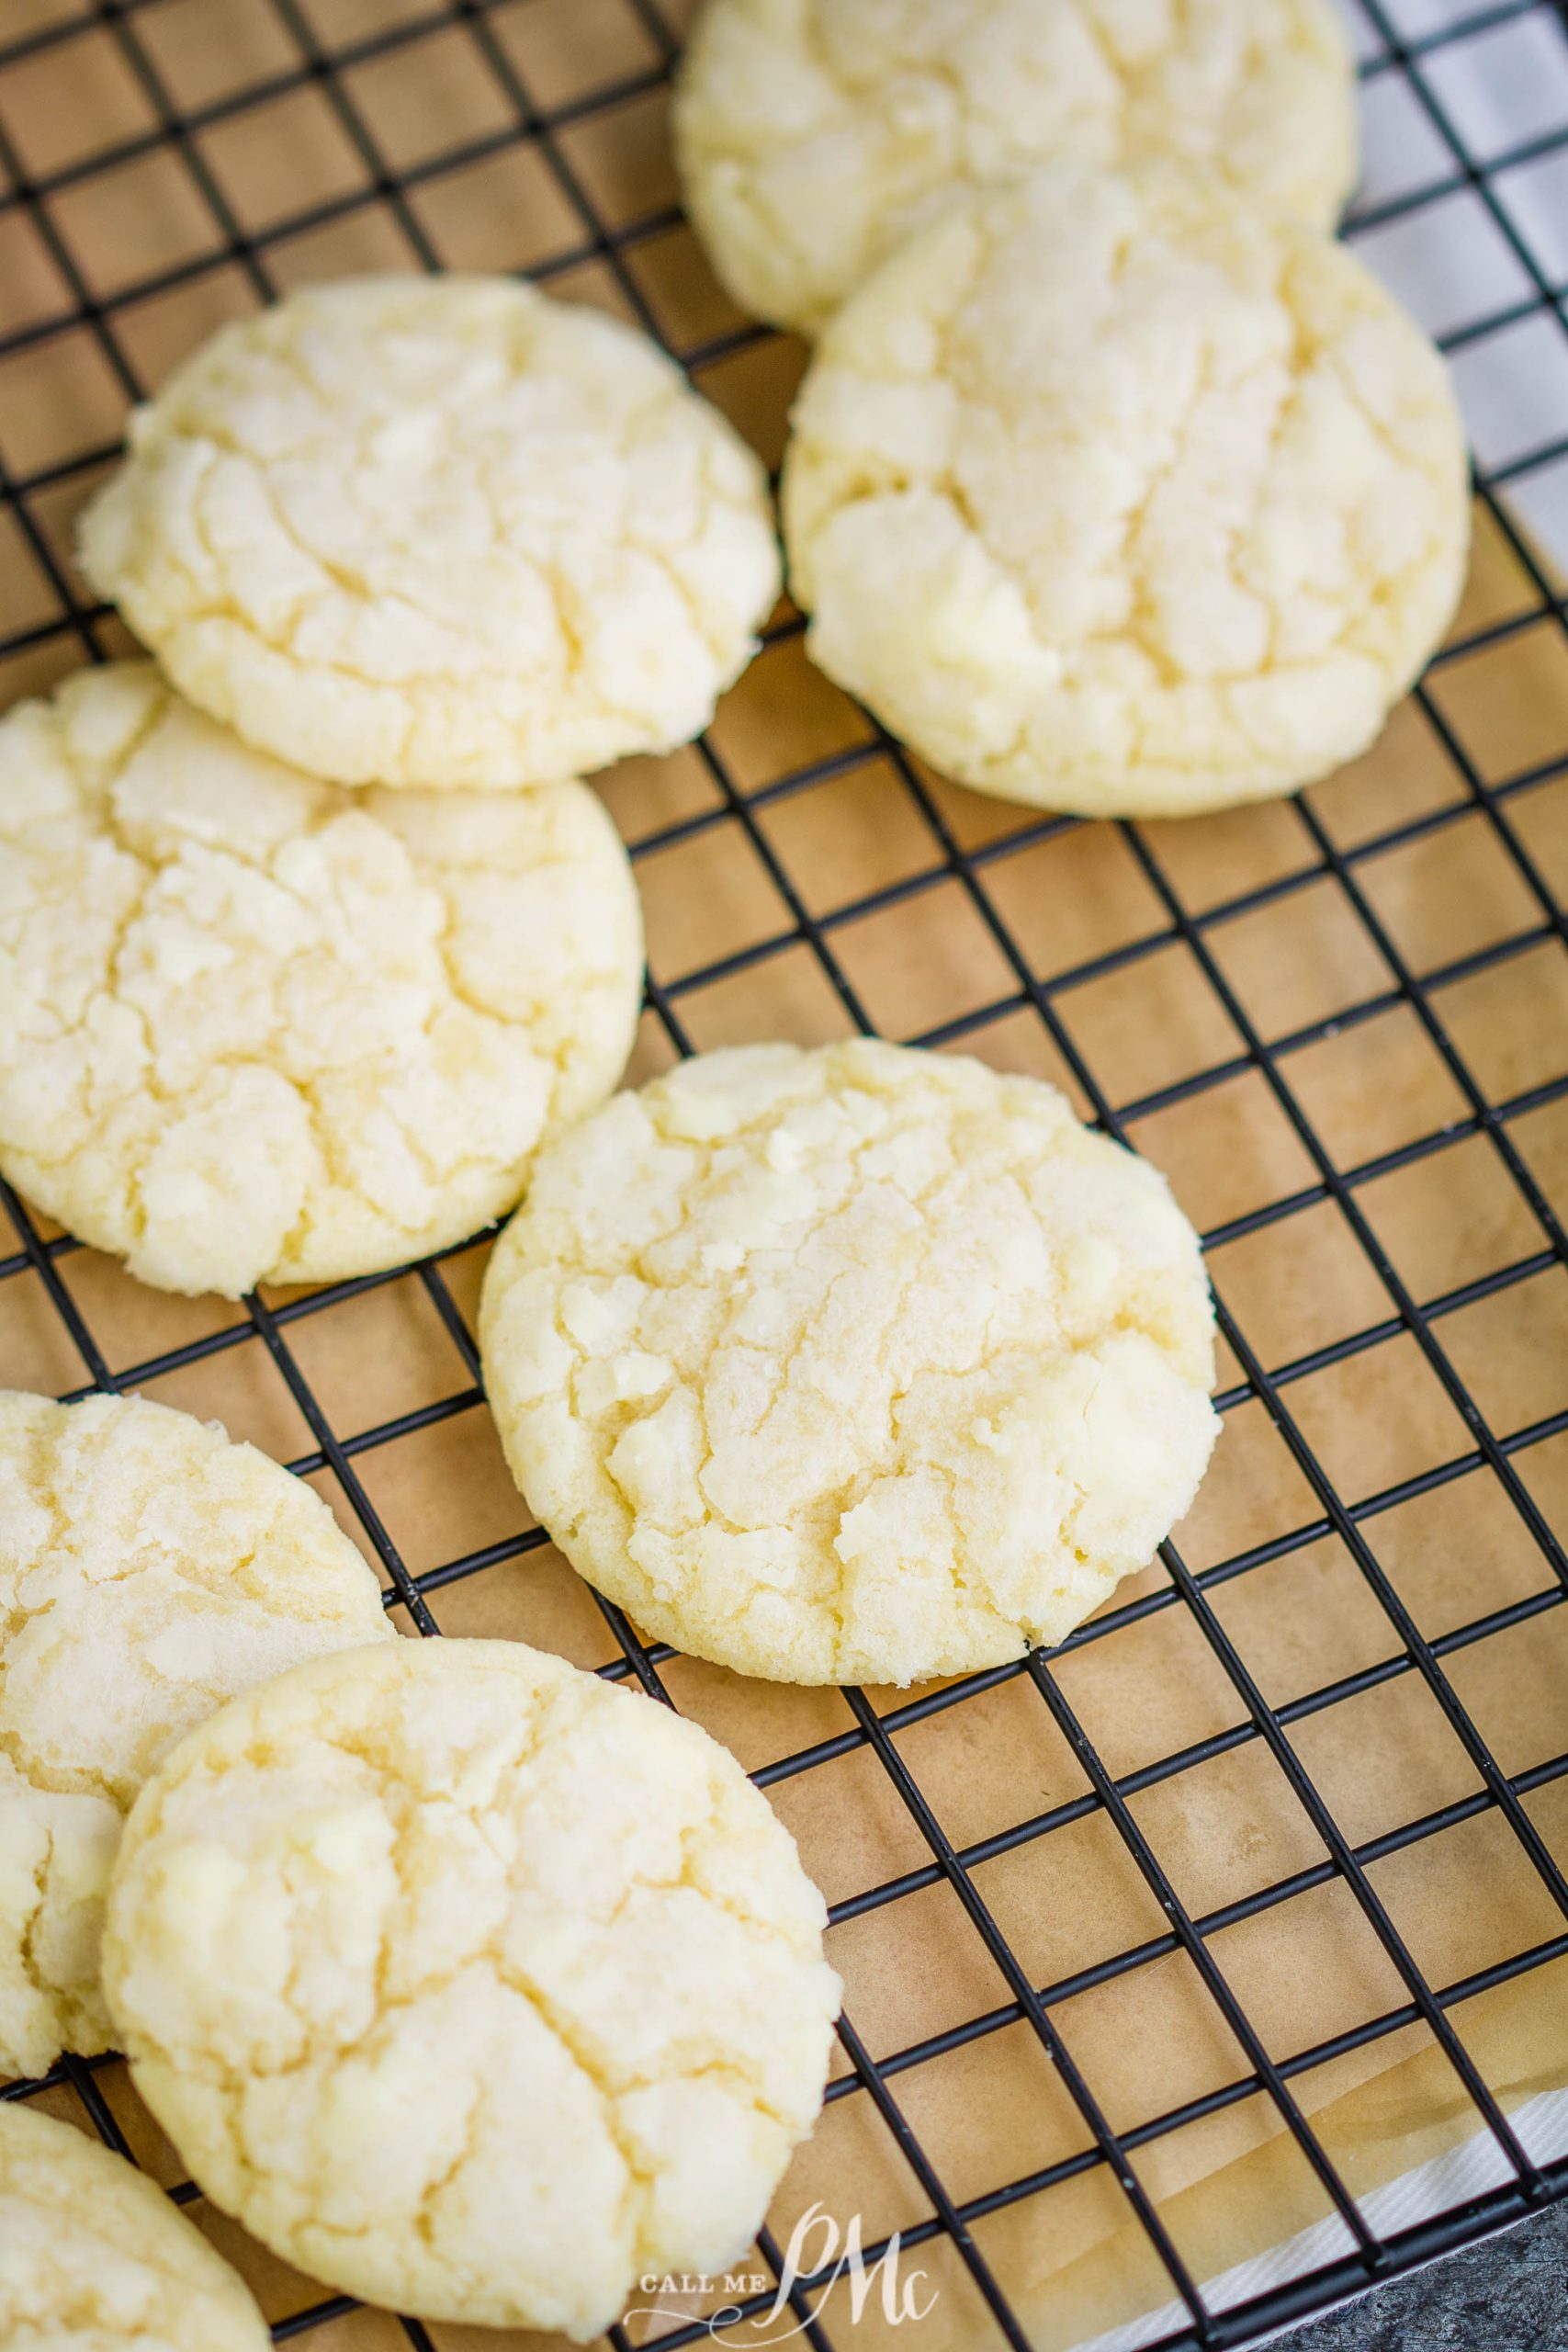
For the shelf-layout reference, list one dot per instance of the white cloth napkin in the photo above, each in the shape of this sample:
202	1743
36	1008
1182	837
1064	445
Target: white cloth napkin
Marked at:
1450	260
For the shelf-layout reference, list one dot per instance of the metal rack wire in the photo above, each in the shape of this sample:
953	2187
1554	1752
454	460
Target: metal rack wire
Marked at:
308	51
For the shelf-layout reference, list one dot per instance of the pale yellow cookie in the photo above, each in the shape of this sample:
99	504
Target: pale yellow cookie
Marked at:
860	1364
1114	494
471	1984
438	531
812	135
256	1028
149	1569
94	2258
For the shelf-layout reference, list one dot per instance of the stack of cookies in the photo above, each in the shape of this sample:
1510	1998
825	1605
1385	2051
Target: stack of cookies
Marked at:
301	974
1115	485
471	1984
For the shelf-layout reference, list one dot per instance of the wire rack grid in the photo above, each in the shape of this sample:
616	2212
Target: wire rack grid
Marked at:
240	144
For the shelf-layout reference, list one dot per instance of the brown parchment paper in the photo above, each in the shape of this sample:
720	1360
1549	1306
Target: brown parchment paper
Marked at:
987	2110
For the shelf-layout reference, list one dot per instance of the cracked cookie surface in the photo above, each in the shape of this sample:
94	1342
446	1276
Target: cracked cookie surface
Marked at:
150	1569
1111	494
257	1028
439	532
94	2258
471	1985
813	134
859	1364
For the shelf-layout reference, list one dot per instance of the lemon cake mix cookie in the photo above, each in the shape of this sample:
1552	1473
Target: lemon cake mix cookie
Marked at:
1110	492
438	531
812	135
94	2258
472	1985
254	1027
859	1364
149	1569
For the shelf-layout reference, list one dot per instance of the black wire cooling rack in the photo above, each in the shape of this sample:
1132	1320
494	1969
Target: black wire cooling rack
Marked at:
322	51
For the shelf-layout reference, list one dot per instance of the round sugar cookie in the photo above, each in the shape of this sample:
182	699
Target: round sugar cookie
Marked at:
813	135
149	1569
440	532
1111	494
256	1028
471	1984
94	2258
854	1365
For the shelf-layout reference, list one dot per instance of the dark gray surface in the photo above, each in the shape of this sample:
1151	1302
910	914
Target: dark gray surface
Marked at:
1510	2295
